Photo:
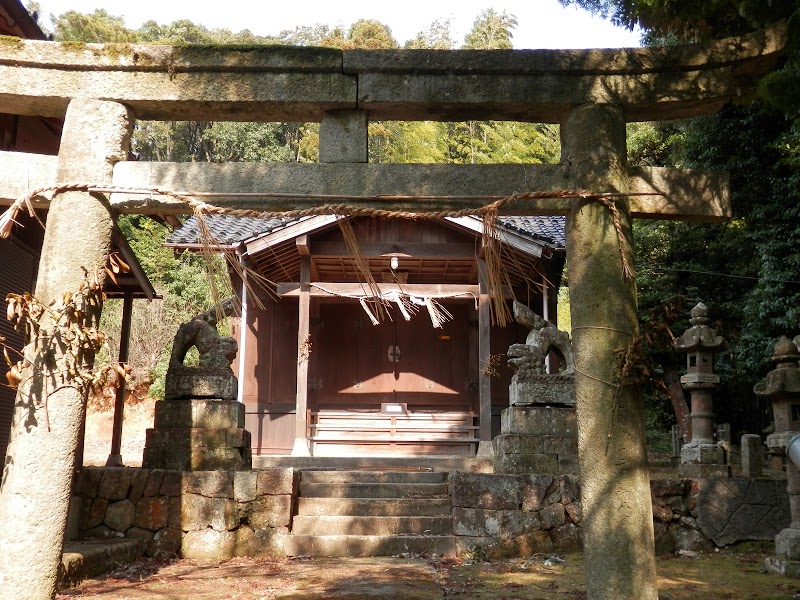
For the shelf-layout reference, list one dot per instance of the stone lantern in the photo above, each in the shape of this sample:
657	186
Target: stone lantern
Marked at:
701	456
782	387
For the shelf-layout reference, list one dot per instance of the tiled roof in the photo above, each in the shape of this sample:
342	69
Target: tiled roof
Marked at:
546	229
230	231
226	229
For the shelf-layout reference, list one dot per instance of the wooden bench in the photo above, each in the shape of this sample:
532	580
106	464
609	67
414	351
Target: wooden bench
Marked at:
355	428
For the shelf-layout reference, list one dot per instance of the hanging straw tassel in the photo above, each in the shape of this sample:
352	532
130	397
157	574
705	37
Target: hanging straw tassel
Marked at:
368	311
7	221
438	313
497	276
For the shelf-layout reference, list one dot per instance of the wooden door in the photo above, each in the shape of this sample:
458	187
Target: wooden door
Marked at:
350	369
357	366
433	368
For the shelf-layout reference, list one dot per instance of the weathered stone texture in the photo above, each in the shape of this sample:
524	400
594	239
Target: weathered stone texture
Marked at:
343	137
115	483
138	483
502	524
752	455
276	481
137	533
498	492
172	505
535	488
153	484
547	389
553	515
97	512
208	544
89	481
165	542
267	543
119	515
184	383
199	512
214	484
152	513
270	511
244	485
737	509
536	439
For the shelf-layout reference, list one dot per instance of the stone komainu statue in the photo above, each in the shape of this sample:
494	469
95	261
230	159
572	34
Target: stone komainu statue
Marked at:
528	359
216	351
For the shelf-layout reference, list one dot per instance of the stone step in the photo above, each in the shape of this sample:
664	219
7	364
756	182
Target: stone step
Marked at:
374	477
369	545
373	490
382	525
377	463
397	507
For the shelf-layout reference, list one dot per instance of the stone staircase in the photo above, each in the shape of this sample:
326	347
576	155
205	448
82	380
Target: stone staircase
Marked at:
372	513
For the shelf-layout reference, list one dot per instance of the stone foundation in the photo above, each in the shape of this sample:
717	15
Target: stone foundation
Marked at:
202	514
518	515
198	435
537	439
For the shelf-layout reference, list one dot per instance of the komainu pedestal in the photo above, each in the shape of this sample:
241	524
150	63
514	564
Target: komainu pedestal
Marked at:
538	431
199	426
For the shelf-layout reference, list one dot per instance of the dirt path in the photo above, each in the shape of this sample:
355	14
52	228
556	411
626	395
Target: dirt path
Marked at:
734	575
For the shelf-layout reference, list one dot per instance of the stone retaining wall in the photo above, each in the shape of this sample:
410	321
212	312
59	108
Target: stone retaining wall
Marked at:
201	514
517	515
221	514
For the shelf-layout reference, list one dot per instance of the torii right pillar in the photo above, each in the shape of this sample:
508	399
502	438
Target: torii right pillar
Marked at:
619	551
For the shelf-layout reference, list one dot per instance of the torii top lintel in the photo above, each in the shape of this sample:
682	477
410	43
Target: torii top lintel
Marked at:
275	83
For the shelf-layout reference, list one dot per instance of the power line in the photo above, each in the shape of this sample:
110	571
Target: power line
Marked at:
718	274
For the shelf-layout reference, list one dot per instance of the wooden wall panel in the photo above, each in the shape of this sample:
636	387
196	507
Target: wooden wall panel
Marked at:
18	266
270	373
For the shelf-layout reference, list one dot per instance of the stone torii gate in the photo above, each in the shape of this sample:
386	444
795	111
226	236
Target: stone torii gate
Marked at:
101	90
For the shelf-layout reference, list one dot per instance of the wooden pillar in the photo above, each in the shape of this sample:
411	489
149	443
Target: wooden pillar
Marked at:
549	359
242	350
115	456
37	478
615	488
301	442
485	448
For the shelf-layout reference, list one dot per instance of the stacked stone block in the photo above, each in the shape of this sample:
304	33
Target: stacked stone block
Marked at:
201	514
515	515
537	439
198	435
520	515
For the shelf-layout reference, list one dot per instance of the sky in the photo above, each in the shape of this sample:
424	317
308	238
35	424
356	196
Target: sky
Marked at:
541	23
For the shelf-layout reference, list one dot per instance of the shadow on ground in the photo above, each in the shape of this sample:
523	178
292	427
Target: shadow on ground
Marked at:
729	574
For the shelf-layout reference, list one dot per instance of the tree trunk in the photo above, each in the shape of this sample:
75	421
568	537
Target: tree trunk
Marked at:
676	396
617	527
37	476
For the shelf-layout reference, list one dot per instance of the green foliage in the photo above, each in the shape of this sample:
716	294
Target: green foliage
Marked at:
491	31
98	26
689	19
653	144
436	37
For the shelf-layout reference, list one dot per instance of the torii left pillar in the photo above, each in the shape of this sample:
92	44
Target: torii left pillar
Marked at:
37	475
619	552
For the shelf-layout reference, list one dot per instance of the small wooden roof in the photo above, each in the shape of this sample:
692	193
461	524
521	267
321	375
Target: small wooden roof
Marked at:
444	251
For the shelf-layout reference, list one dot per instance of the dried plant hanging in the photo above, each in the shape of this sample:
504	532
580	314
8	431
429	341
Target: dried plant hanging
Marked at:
497	273
62	339
361	265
